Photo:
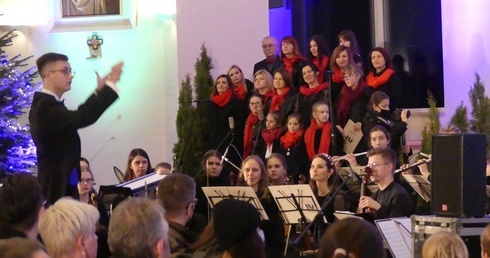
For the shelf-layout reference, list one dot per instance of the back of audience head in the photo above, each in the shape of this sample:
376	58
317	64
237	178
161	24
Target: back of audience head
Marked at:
68	229
211	163
444	245
235	225
138	164
138	229
163	168
21	202
21	248
353	238
177	195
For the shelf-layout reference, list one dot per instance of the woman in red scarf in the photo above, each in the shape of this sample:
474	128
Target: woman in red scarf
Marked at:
223	105
284	96
341	58
318	55
242	87
382	77
263	86
293	148
310	93
292	59
318	137
253	124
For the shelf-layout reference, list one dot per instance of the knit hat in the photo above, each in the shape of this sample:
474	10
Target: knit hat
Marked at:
234	221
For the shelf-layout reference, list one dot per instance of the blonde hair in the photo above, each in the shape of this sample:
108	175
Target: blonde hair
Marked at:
444	245
63	223
267	77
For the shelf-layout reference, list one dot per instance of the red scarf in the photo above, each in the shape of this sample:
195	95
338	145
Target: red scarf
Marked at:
324	140
278	99
289	139
289	62
337	76
267	96
376	81
270	135
307	91
321	67
248	134
222	99
347	96
240	91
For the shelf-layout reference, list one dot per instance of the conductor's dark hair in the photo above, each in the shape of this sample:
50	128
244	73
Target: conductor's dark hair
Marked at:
48	58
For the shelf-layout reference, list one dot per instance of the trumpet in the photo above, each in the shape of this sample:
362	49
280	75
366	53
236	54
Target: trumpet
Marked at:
335	159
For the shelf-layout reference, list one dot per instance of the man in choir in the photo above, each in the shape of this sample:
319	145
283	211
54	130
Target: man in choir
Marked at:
177	194
54	128
138	229
391	199
272	62
21	205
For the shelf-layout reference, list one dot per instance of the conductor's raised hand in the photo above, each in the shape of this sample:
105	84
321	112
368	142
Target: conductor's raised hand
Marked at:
115	73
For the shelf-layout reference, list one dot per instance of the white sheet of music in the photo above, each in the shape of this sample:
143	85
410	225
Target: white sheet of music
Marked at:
289	210
397	234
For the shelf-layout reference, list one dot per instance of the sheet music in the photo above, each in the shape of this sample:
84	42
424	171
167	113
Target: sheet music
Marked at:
351	138
420	184
142	181
242	193
305	198
397	234
340	215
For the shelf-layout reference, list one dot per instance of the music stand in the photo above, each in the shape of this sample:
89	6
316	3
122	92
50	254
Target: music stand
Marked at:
421	185
216	194
354	184
297	204
111	195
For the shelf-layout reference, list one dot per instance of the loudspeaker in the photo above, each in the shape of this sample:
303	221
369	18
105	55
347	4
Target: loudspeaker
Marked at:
458	175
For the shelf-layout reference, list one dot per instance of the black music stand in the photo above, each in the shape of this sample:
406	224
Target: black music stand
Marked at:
111	196
421	185
216	194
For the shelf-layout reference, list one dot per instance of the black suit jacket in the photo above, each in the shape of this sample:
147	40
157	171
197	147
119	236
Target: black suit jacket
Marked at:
270	67
54	130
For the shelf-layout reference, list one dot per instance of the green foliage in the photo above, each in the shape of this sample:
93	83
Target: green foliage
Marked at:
460	118
434	125
192	121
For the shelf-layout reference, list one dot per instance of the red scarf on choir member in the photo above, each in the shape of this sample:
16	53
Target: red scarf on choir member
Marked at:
267	96
307	91
324	140
270	135
321	67
289	62
289	139
337	75
278	99
222	99
248	134
241	91
376	81
347	96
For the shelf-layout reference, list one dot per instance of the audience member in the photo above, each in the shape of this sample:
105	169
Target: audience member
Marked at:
163	168
17	247
206	245
68	229
272	62
352	238
138	229
236	225
444	245
21	202
485	242
177	194
138	164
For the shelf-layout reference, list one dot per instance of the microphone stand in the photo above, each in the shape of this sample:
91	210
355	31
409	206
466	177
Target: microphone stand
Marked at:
319	214
257	137
332	119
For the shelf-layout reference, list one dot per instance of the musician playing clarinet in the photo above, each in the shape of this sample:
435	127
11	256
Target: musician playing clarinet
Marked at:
391	199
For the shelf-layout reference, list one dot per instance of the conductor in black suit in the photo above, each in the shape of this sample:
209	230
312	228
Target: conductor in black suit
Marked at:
54	128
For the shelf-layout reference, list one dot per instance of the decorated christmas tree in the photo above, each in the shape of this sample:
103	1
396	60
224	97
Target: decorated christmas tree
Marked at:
17	150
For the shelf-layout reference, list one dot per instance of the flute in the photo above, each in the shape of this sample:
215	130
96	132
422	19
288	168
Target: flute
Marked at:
420	162
345	156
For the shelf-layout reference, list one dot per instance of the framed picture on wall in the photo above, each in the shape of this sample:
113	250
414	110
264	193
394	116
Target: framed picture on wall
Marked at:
84	8
93	15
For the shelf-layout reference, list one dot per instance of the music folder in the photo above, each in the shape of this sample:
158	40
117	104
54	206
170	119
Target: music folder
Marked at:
421	185
216	194
397	235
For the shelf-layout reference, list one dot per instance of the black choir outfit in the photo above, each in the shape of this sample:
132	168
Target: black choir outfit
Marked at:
273	228
286	104
306	98
296	70
269	65
252	140
295	153
271	143
317	140
394	200
339	203
388	82
54	130
322	67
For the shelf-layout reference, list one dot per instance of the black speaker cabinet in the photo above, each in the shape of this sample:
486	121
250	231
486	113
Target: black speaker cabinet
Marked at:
458	175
